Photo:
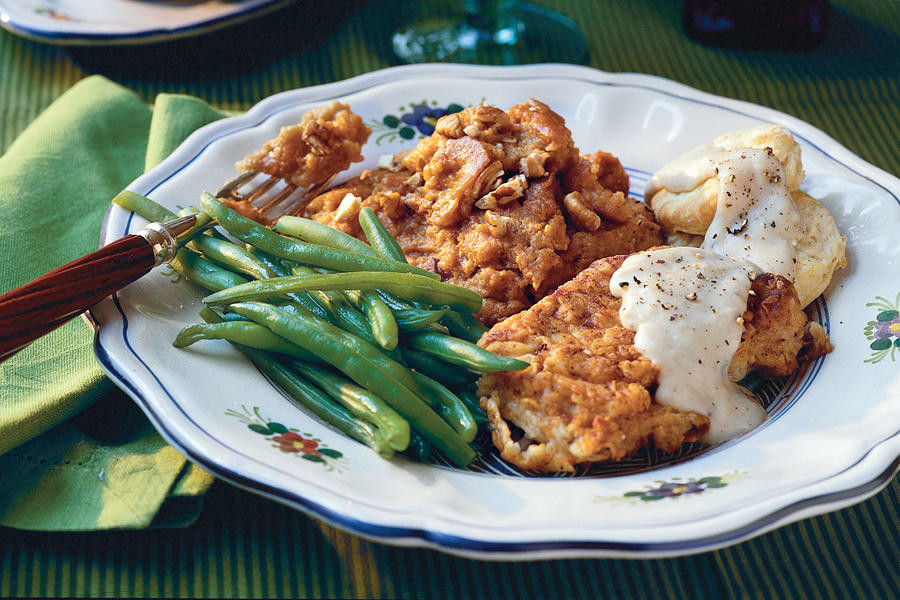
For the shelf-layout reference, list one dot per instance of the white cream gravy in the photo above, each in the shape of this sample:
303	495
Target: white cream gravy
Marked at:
689	171
756	218
685	306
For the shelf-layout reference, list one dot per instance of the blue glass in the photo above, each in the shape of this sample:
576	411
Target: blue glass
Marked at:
493	32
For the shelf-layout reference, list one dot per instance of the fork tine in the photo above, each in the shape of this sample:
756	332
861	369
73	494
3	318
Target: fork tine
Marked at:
278	198
262	204
262	189
227	189
296	207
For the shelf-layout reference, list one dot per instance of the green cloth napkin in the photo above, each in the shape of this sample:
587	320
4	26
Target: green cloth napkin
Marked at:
107	468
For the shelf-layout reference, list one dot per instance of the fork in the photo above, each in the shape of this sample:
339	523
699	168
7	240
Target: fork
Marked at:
267	198
42	305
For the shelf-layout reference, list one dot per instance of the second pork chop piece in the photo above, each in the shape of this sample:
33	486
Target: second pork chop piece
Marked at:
588	393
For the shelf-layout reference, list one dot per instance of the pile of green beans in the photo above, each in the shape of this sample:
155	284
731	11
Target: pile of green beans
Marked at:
375	347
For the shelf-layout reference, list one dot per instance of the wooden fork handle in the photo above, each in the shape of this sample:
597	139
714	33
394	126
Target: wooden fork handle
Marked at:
38	307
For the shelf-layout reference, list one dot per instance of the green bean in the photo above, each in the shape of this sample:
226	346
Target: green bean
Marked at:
152	211
355	297
381	319
408	285
375	325
351	321
320	404
470	398
231	256
278	266
360	402
393	301
465	326
418	319
355	322
274	263
309	303
419	448
211	316
328	298
378	313
382	242
461	352
414	316
280	270
245	333
203	225
323	235
365	364
379	238
335	302
451	375
281	246
308	396
448	405
143	206
203	273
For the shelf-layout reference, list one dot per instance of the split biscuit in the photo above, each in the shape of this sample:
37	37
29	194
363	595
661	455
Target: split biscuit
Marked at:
684	195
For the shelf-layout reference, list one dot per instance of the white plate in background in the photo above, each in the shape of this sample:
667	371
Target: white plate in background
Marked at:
101	22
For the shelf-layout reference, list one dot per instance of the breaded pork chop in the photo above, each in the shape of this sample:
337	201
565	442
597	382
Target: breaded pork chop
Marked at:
588	394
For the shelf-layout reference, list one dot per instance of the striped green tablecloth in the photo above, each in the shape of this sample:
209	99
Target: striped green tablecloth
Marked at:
246	546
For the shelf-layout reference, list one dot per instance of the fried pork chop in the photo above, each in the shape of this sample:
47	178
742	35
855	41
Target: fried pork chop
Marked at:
588	394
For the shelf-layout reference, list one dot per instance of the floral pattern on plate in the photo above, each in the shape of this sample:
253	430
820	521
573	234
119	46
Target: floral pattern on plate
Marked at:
884	330
415	118
676	487
288	440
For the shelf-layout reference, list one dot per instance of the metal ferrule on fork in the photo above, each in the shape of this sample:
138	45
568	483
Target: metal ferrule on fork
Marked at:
166	238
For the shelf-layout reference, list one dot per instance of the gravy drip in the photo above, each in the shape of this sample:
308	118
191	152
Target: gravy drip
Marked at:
756	218
688	171
685	307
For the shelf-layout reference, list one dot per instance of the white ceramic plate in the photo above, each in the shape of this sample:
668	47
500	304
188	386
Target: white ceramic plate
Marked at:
76	22
831	439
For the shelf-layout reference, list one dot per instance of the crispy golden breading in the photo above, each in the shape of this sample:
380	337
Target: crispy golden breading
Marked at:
501	203
588	394
775	327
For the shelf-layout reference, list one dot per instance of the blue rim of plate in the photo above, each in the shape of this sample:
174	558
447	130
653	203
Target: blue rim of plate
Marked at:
783	515
157	34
